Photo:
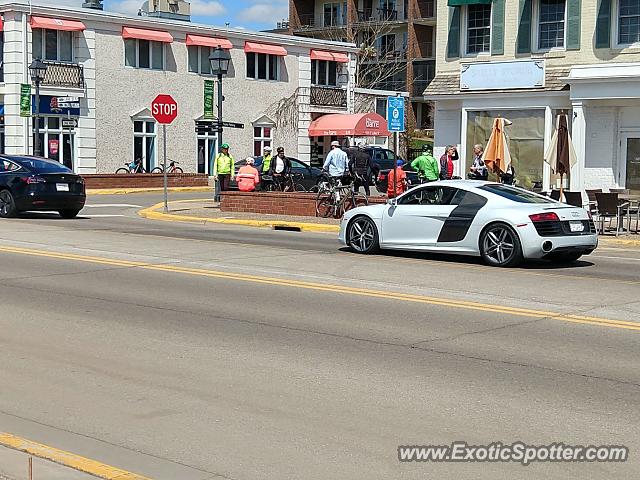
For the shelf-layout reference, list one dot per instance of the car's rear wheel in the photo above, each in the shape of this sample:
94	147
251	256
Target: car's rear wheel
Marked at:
500	246
564	257
362	235
69	213
7	205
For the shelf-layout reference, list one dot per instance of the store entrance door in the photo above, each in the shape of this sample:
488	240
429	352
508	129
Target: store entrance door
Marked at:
56	143
631	151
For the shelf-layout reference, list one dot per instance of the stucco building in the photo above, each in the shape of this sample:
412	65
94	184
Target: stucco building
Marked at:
528	60
104	70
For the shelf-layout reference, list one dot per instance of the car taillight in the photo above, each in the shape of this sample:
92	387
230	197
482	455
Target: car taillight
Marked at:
32	180
381	176
544	217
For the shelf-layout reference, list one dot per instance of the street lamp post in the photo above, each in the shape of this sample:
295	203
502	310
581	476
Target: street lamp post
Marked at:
37	70
219	60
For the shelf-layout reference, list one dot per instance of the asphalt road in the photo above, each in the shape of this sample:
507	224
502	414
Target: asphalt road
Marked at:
187	352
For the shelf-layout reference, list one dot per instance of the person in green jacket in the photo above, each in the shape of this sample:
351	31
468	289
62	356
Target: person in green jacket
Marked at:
224	168
266	160
426	165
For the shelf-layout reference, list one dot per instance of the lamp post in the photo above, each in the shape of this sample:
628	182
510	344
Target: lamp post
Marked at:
37	70
219	60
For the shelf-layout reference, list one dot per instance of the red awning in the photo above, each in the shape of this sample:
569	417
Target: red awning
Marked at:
330	56
253	47
144	34
57	24
355	125
1	24
208	41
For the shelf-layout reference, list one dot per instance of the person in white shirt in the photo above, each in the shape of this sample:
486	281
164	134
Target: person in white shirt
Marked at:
336	161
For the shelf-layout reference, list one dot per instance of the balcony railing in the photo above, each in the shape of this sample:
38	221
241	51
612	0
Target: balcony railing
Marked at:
63	74
330	21
426	9
425	50
392	85
419	86
307	21
329	96
377	15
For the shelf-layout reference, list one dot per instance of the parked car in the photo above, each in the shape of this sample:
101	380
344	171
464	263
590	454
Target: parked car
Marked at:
310	175
33	183
500	223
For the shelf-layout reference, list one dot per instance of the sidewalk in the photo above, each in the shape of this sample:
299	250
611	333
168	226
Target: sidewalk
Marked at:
205	211
14	465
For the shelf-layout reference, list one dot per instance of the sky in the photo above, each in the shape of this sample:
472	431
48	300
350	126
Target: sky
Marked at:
247	14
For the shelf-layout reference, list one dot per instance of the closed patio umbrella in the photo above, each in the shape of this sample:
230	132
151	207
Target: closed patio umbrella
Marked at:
561	155
496	156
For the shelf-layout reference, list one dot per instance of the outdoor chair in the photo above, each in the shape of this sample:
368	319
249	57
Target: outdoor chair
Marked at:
573	198
593	205
609	207
555	195
619	190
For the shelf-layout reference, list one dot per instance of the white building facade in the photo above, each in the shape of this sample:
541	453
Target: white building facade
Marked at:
113	66
530	60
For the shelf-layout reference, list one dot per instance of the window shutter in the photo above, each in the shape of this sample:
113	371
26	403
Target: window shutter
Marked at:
603	25
573	24
524	27
453	40
497	29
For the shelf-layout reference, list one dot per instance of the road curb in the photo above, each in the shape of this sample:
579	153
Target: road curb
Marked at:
127	191
623	242
67	459
153	213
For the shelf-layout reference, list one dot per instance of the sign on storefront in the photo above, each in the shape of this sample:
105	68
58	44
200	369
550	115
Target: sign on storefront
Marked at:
68	102
395	114
51	106
502	75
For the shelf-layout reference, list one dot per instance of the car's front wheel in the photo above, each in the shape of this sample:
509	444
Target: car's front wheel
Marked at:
500	246
7	205
362	235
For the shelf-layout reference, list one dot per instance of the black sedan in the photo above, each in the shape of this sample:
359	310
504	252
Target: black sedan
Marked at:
307	176
38	184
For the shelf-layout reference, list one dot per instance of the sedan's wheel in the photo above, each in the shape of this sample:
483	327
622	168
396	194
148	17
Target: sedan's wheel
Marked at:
70	213
362	235
7	205
500	246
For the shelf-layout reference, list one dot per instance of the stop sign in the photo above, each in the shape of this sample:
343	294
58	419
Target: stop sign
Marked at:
164	109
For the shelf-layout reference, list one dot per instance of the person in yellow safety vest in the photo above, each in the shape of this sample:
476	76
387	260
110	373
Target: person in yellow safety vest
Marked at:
224	167
266	160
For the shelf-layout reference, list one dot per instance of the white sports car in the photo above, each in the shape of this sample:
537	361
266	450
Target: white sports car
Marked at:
500	223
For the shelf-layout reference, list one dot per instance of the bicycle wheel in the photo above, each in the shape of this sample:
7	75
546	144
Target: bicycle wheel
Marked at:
324	204
178	170
270	187
298	187
122	170
355	200
156	170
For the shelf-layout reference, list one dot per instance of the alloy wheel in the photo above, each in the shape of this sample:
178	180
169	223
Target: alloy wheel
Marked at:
362	235
499	245
6	203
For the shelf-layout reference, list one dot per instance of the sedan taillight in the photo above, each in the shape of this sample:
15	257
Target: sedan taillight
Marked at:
544	217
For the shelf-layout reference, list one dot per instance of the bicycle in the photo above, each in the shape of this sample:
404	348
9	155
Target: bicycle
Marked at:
334	198
172	168
290	183
132	168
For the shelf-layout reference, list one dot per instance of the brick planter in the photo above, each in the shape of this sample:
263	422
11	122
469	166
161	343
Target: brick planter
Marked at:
277	203
145	180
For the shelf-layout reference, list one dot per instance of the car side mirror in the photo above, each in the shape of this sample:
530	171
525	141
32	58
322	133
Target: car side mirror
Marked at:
392	201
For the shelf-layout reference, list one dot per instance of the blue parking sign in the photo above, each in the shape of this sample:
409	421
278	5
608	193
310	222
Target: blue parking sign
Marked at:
395	114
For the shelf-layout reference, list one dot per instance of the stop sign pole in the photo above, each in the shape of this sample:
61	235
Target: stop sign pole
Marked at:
164	110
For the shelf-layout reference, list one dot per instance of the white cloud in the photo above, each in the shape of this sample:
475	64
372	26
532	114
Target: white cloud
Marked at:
265	13
206	8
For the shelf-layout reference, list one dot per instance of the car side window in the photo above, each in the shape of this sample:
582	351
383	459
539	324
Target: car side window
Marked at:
430	195
298	167
7	167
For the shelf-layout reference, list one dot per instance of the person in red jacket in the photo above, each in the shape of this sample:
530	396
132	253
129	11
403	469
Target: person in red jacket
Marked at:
248	177
446	162
396	181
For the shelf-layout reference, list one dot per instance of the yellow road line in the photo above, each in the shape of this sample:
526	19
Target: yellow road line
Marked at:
152	213
67	459
283	282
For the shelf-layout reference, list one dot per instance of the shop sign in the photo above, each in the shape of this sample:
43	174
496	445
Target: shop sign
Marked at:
208	99
25	100
502	75
54	146
51	106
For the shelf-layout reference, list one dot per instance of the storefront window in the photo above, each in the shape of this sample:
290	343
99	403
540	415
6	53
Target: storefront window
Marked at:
144	143
262	137
56	143
526	140
207	147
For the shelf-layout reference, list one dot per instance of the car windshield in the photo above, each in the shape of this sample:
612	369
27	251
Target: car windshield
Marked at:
515	194
43	166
